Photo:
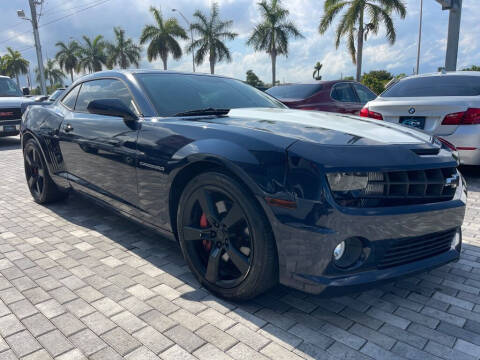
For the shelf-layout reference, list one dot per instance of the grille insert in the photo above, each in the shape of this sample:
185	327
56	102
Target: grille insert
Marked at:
407	250
396	188
10	113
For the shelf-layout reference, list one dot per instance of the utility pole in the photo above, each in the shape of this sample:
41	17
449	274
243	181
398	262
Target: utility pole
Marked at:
191	36
38	47
455	7
419	36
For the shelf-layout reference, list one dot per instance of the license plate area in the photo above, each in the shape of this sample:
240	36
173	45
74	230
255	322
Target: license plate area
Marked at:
9	128
413	121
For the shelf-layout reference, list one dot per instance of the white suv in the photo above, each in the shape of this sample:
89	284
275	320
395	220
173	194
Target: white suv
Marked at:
442	104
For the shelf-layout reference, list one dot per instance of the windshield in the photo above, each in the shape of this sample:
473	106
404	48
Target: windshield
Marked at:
9	88
448	85
176	93
56	94
296	91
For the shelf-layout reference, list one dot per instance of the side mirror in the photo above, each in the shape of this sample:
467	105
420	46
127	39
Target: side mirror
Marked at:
111	107
26	91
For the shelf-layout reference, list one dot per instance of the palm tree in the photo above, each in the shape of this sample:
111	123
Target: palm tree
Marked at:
163	38
354	25
15	64
92	54
68	56
123	52
53	74
2	66
272	34
212	32
316	72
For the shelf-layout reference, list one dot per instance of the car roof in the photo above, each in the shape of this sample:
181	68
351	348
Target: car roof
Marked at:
123	73
445	73
317	82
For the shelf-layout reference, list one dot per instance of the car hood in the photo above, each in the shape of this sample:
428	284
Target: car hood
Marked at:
7	102
323	128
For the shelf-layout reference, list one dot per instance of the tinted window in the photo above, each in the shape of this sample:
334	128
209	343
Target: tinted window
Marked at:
103	89
8	87
448	85
56	94
297	91
343	92
175	93
364	94
71	97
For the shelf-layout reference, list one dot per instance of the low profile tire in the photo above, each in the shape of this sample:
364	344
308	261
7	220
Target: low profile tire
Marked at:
226	238
39	182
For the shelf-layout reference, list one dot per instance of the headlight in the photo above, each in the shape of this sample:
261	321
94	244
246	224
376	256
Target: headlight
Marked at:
339	250
347	181
350	188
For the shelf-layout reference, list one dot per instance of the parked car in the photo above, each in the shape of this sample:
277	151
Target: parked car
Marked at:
341	96
11	101
254	192
443	104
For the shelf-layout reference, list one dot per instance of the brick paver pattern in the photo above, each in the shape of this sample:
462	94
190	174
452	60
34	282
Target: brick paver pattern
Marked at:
78	281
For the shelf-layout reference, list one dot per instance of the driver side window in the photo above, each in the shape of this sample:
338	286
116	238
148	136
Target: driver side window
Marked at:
103	89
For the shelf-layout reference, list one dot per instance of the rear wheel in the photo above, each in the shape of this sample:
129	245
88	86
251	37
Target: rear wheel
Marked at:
39	182
226	238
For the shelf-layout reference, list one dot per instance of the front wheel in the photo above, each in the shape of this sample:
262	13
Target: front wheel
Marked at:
226	238
39	182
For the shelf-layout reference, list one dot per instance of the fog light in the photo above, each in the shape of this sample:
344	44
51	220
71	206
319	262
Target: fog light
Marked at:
348	253
339	251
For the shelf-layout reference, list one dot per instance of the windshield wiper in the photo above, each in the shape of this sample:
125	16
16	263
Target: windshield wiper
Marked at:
207	111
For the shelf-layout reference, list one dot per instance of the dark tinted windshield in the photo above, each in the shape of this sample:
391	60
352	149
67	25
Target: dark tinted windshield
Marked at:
175	93
9	88
296	91
449	85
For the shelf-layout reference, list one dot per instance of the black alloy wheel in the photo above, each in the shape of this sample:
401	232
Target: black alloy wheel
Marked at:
225	237
34	171
39	182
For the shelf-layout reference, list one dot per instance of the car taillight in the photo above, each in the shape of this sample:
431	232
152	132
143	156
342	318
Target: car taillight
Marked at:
448	144
365	112
469	117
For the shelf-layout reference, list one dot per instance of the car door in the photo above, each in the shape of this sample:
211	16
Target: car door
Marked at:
100	151
344	98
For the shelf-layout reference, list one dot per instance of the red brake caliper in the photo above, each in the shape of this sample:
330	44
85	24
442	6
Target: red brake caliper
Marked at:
207	244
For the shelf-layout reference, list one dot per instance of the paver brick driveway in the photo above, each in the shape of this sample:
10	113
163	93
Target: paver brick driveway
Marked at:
78	281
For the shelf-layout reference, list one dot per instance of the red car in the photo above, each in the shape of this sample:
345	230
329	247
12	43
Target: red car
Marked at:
341	96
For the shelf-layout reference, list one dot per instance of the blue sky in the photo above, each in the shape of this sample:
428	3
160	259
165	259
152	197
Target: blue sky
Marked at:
304	53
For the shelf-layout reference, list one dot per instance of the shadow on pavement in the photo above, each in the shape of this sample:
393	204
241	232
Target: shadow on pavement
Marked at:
9	143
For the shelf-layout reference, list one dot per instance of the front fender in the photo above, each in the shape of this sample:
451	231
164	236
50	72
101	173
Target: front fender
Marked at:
263	171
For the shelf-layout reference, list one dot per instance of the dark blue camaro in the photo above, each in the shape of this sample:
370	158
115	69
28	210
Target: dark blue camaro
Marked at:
255	193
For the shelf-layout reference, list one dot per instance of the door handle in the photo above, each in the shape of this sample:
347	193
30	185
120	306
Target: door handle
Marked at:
68	128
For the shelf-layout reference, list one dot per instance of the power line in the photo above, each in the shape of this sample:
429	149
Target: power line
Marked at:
101	2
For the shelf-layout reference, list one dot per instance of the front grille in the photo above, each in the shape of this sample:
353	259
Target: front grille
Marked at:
396	188
10	113
407	250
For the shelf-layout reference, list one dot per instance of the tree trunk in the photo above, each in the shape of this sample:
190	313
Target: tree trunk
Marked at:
360	47
212	63
18	80
274	67
164	60
71	75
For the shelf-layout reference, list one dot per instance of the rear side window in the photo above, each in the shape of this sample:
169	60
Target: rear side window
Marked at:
297	91
343	92
447	85
71	97
103	89
364	94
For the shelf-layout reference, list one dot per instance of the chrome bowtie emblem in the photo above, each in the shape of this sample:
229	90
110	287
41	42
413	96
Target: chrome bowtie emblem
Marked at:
411	110
452	181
